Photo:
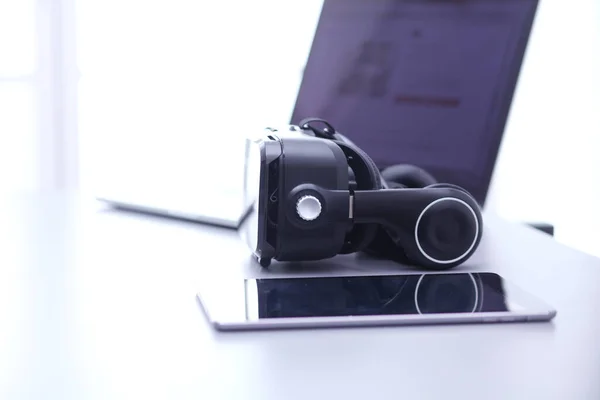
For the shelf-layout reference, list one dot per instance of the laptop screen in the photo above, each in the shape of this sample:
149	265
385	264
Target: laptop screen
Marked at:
423	82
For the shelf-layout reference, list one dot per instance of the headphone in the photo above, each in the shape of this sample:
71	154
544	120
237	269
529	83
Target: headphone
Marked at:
315	194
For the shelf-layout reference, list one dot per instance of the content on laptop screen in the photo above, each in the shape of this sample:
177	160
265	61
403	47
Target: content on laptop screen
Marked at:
424	82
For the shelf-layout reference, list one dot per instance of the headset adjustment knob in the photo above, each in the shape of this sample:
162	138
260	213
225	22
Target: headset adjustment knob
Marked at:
308	208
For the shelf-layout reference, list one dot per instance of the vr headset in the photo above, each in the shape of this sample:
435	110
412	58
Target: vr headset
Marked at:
315	195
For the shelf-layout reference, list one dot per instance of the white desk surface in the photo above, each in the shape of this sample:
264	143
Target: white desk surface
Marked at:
101	305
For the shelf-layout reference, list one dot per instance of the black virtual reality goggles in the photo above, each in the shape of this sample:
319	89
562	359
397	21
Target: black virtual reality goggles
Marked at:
315	195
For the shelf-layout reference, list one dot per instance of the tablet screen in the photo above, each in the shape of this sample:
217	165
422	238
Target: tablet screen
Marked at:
376	295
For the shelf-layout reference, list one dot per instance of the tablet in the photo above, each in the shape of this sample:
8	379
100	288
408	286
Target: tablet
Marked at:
376	300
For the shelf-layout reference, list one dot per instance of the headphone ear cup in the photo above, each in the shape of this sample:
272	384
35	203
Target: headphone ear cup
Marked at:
448	234
409	176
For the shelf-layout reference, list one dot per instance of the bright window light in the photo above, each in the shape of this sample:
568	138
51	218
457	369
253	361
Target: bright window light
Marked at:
17	38
18	161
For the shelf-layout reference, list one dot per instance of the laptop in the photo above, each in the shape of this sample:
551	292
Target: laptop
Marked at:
222	209
423	82
169	178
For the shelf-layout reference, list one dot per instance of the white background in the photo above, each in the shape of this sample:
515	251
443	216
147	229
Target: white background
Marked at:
17	95
549	164
169	81
38	107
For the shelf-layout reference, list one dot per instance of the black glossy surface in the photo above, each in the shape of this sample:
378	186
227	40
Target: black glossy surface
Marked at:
380	295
